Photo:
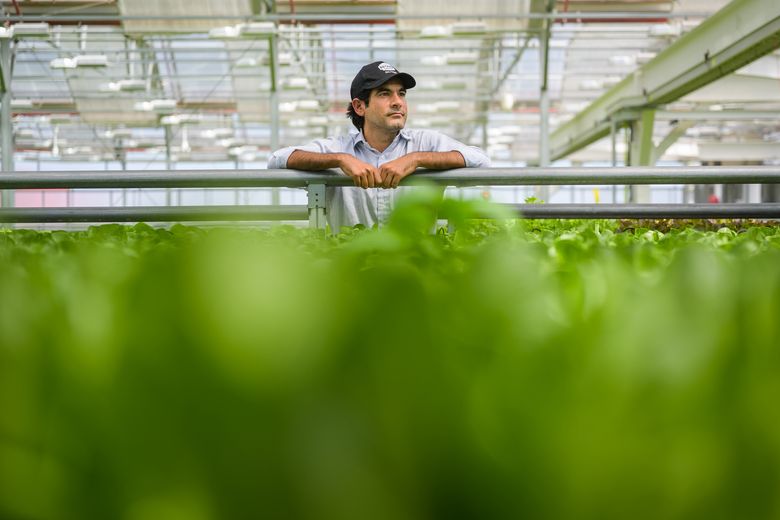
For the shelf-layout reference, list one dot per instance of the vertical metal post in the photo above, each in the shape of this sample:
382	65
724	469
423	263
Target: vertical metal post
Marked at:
613	151
168	162
753	193
273	53
642	150
316	195
6	129
544	100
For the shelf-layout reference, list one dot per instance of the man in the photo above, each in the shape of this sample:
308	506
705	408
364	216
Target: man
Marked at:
381	154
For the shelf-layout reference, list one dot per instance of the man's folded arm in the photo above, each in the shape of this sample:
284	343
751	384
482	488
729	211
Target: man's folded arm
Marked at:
313	161
439	160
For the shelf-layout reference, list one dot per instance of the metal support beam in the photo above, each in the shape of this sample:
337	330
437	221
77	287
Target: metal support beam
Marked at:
741	32
273	62
455	177
678	131
641	151
277	213
6	128
316	206
544	99
154	214
600	211
168	161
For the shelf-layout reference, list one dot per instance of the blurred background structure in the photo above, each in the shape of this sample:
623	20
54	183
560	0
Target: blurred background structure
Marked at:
218	84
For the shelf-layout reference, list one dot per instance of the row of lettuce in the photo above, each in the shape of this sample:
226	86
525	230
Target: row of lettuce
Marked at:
509	369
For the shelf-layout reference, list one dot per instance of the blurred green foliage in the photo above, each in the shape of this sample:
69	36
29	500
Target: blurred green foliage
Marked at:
510	369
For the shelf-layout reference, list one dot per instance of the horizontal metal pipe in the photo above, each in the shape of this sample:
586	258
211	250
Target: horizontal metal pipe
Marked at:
674	211
300	212
154	214
458	177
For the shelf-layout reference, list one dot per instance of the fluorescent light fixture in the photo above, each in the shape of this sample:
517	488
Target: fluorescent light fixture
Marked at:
91	60
225	33
622	60
131	85
21	103
591	84
664	29
308	105
119	133
30	30
468	28
111	86
643	57
507	101
180	119
283	59
257	29
286	108
62	63
163	105
241	150
295	83
435	31
462	58
433	61
217	133
611	81
156	105
172	120
246	62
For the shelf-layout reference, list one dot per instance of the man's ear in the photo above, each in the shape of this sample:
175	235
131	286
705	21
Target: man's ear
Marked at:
359	106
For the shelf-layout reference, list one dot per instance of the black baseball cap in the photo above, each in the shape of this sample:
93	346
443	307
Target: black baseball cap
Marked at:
376	74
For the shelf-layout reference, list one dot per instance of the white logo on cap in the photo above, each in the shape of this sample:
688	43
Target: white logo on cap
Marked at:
386	68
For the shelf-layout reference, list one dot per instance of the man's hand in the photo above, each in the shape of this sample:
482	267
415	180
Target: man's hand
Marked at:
363	174
393	172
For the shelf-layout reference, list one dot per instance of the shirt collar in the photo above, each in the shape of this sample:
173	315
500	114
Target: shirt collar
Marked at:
360	138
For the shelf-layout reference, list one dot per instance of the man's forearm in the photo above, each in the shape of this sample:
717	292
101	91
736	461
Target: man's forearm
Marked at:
439	160
313	161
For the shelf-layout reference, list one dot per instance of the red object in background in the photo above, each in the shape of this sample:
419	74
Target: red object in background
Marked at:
713	199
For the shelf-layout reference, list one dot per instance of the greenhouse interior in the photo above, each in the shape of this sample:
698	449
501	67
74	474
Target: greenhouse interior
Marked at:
215	304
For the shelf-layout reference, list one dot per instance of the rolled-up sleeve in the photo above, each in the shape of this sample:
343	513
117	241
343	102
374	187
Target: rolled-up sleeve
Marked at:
472	155
278	159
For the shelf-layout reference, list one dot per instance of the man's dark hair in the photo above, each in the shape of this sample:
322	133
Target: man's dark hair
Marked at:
352	115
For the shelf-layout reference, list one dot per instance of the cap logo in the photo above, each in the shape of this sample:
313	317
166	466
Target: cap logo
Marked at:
386	68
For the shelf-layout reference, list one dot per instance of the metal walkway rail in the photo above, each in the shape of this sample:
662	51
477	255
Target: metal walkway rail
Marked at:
315	183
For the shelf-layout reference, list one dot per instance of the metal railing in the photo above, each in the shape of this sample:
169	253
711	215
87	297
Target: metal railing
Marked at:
315	183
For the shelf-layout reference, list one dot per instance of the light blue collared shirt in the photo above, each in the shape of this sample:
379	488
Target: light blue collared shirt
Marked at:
347	206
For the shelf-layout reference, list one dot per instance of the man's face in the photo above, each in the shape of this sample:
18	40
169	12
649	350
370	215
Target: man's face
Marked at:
386	109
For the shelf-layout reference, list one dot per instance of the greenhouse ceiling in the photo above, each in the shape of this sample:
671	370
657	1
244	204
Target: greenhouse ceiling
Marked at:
229	80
